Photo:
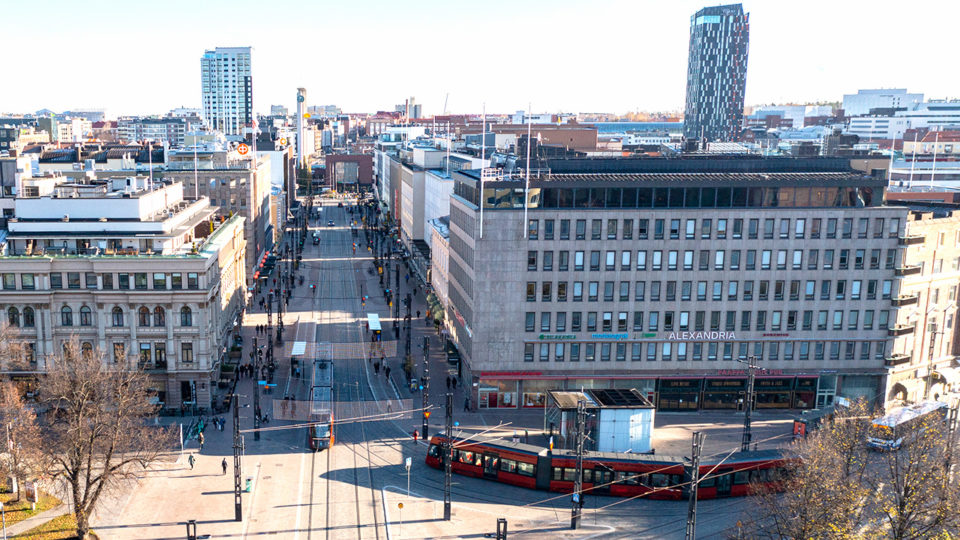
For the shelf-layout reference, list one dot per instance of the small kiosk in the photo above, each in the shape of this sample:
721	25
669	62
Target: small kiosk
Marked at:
618	419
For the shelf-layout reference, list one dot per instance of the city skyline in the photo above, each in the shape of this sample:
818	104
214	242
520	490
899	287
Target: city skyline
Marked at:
812	55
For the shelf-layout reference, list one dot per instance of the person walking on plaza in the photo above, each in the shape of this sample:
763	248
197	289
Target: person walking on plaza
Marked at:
191	460
223	464
466	404
448	382
200	440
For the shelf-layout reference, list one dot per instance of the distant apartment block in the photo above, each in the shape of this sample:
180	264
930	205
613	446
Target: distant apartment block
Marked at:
227	89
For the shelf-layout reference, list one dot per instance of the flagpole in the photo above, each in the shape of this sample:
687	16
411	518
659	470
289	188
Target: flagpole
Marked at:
933	170
913	161
526	189
483	162
196	181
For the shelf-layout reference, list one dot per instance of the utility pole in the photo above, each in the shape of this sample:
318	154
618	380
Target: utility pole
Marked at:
577	500
256	403
448	458
748	402
237	445
426	386
694	484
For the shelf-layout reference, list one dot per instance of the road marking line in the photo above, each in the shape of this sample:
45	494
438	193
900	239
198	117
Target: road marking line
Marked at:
253	497
296	529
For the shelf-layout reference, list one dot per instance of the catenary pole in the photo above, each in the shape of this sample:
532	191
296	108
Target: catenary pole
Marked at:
698	437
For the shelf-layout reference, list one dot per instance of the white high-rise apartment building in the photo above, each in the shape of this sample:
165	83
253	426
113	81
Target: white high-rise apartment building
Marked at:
227	89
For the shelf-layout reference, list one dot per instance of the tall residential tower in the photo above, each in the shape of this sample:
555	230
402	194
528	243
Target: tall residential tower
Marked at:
227	89
716	73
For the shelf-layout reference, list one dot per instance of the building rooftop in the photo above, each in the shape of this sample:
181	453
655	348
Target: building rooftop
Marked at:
613	398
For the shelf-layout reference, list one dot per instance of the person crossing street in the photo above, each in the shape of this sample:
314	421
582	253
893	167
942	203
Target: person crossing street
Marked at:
223	464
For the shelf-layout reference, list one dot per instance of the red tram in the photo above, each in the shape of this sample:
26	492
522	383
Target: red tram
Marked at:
618	475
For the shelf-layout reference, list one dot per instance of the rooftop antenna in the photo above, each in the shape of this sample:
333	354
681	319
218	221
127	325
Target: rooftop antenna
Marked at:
526	188
483	161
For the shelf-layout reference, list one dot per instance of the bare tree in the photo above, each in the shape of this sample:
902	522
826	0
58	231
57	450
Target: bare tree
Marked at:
838	488
822	493
23	437
915	498
98	435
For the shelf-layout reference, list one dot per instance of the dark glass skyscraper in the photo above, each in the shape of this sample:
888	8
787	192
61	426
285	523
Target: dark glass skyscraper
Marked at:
717	73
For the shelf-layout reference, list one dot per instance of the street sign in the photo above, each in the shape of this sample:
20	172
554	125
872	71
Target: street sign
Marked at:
400	506
408	463
576	497
243	149
283	141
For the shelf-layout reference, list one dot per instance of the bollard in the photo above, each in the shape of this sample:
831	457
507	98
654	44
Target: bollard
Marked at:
501	529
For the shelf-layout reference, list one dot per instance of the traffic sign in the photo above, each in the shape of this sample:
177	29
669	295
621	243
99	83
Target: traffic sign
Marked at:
400	506
243	149
408	462
576	497
283	140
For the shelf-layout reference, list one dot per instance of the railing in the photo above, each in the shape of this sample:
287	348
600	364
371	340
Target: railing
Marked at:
907	300
896	360
908	270
911	240
902	329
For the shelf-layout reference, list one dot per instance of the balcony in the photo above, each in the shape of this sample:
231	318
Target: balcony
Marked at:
908	300
908	270
911	240
902	330
896	360
150	367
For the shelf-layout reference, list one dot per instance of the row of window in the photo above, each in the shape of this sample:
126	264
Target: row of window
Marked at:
159	356
681	351
735	259
710	320
688	228
28	319
88	280
669	291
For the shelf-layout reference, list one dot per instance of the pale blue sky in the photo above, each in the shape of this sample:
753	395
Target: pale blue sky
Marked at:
139	57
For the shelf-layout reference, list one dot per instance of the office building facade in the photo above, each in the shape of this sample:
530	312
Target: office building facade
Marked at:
134	270
227	89
716	73
662	275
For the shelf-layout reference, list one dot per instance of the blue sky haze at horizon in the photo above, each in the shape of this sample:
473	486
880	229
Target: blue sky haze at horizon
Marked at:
599	56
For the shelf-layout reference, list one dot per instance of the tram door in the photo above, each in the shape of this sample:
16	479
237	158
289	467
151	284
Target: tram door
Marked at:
602	478
724	483
490	465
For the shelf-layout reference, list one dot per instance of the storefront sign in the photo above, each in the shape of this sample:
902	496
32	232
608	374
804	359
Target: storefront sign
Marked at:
556	336
697	336
744	373
609	336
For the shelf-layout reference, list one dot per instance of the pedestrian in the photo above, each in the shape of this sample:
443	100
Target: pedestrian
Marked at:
415	435
387	372
223	465
376	367
454	381
200	439
418	313
466	404
448	382
191	460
